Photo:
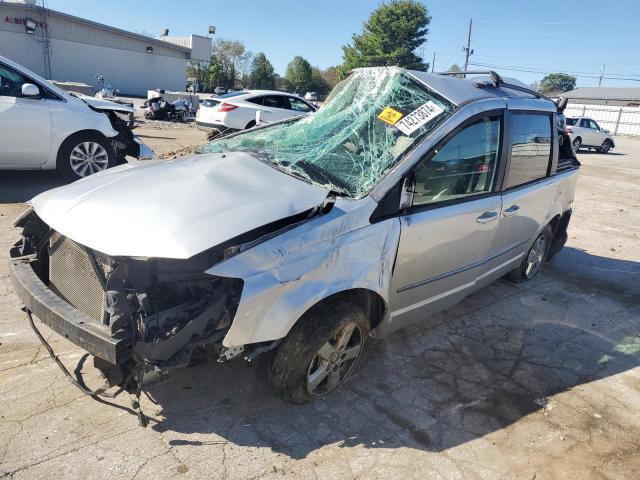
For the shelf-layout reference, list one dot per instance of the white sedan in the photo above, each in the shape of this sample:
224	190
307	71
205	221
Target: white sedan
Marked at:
237	110
46	128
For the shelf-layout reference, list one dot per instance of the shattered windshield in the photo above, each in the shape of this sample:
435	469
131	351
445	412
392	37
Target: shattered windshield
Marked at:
365	125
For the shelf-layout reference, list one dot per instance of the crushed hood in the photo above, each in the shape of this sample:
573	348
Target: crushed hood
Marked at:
174	209
101	104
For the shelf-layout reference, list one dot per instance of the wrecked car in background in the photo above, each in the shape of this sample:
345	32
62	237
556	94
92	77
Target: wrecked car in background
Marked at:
46	128
403	194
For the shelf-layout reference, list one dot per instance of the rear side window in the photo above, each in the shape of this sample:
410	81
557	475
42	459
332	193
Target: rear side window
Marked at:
530	149
276	101
209	103
256	100
571	122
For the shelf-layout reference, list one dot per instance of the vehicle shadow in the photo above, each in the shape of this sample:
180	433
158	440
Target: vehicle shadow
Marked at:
596	152
462	374
20	186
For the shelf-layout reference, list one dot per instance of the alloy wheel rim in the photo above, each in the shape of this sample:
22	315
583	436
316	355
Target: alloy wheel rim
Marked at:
605	147
576	145
335	361
535	256
88	158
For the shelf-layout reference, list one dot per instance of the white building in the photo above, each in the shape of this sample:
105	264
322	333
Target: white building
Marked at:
62	47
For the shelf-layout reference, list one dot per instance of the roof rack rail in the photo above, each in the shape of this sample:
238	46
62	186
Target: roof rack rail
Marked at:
497	81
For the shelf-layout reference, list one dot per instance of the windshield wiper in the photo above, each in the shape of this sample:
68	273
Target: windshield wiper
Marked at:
336	183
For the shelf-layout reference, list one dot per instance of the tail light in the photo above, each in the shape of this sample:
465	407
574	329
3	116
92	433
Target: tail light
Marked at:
227	107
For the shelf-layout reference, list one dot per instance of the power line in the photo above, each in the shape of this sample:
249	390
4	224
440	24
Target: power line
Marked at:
561	34
507	57
572	72
515	69
557	23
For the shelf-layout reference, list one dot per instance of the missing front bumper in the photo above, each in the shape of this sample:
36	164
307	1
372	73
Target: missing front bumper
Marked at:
64	319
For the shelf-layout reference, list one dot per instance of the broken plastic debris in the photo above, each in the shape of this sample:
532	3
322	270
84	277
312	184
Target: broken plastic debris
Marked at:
345	146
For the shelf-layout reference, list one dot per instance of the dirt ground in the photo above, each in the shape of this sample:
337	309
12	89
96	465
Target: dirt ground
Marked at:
531	381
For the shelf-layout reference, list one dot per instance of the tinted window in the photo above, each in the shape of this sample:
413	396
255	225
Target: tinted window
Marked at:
530	150
465	165
231	94
11	82
298	105
276	101
571	122
256	100
209	103
584	123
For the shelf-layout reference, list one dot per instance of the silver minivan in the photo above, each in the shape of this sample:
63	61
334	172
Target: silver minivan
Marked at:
404	193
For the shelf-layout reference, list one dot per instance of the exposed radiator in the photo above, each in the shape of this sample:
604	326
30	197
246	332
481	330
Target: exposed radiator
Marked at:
73	277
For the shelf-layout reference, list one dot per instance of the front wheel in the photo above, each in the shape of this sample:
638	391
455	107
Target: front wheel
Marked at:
606	146
533	260
84	154
577	143
320	352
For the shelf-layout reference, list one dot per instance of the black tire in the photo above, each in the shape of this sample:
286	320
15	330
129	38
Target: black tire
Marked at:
64	160
523	272
251	124
605	147
577	143
299	354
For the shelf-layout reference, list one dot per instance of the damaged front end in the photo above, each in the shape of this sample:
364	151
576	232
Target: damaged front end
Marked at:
131	314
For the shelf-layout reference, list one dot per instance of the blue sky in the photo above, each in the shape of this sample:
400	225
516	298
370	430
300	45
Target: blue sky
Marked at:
541	36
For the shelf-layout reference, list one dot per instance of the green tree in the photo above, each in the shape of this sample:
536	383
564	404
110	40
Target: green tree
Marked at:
455	68
389	37
262	75
299	75
330	76
234	60
318	83
557	82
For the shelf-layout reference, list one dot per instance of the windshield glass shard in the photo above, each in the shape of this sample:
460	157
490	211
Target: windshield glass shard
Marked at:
363	128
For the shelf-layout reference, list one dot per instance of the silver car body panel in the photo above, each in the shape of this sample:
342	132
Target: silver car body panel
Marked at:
190	204
416	263
285	276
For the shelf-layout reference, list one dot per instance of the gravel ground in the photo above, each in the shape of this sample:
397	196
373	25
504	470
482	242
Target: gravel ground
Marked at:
531	381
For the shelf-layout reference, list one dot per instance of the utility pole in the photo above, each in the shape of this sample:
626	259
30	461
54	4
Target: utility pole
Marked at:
433	62
601	75
467	50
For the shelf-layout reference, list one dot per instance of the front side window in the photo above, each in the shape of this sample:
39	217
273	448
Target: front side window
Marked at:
298	105
530	149
11	82
464	166
363	129
593	125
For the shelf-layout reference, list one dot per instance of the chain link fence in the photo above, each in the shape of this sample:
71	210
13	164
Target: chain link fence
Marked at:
618	120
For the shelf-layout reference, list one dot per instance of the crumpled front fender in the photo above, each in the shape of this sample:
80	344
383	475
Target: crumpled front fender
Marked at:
285	276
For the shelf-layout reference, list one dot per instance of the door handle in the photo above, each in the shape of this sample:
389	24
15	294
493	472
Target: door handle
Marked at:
511	211
487	217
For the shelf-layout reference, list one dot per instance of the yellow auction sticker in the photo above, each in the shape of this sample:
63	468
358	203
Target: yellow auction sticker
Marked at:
390	116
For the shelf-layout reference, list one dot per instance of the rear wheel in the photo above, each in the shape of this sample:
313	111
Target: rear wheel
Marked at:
320	352
84	154
606	146
577	143
533	260
251	124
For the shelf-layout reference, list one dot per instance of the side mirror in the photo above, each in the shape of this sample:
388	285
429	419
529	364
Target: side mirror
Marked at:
406	193
30	90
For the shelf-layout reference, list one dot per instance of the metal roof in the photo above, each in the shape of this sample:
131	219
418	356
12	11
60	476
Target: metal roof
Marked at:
605	93
463	90
100	26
